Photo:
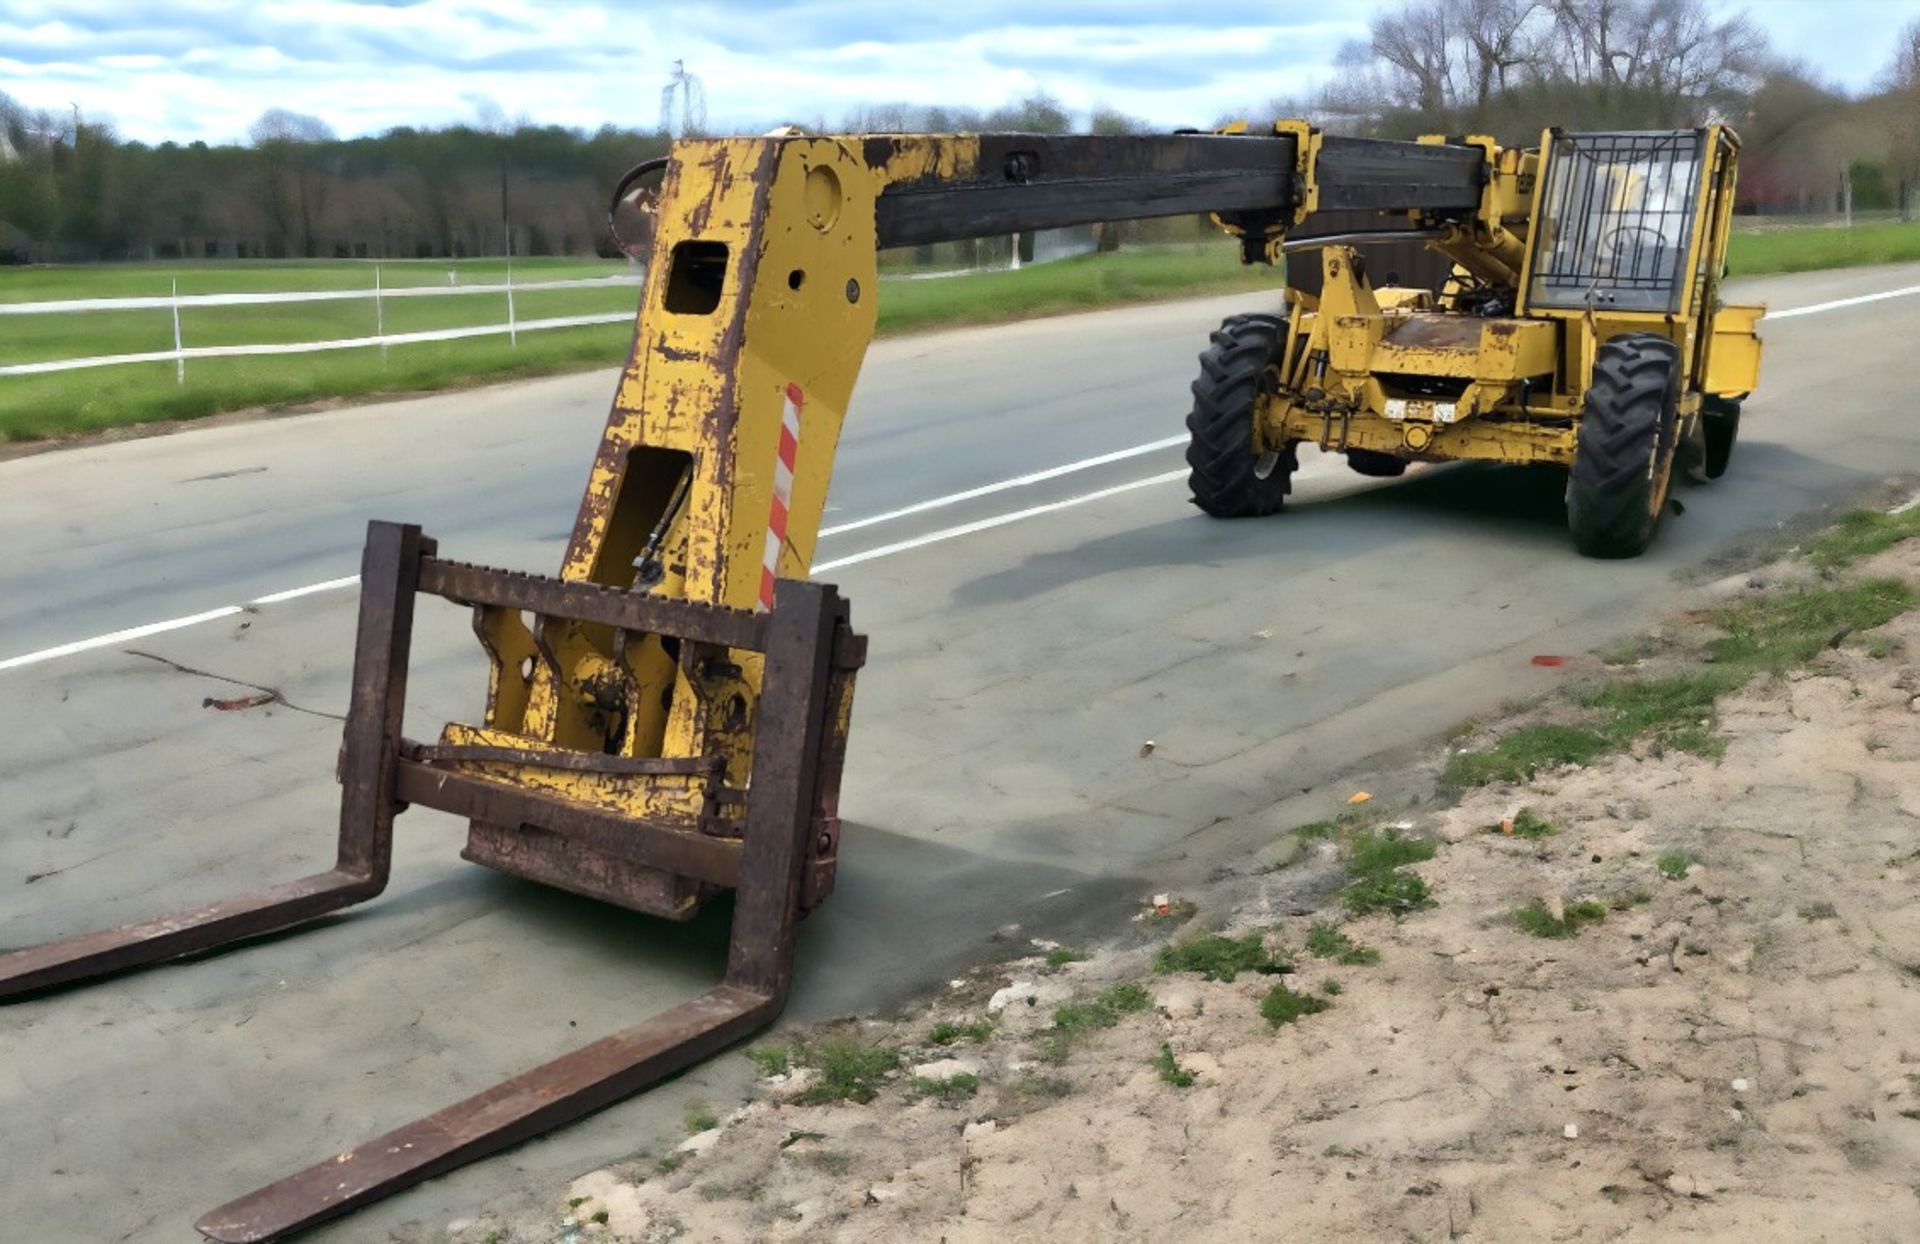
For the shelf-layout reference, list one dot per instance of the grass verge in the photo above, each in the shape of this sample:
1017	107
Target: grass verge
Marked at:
76	403
66	404
1804	250
1766	635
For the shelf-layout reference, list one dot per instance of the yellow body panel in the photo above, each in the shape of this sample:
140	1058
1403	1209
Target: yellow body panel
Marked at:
1733	355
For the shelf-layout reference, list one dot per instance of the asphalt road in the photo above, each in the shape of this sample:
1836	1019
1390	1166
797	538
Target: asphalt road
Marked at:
1018	663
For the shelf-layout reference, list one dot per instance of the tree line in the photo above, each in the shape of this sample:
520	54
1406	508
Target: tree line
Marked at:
1510	67
72	190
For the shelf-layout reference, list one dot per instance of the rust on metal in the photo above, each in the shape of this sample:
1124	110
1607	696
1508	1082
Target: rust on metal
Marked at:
574	762
388	568
651	864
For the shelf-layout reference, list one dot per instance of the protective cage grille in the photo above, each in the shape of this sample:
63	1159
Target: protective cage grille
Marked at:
1616	220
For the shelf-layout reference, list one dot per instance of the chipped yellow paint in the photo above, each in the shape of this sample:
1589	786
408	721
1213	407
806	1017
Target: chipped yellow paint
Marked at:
762	277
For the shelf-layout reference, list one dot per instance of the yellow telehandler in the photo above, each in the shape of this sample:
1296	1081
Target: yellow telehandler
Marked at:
666	719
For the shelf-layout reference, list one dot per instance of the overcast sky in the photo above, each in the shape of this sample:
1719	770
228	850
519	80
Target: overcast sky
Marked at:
193	69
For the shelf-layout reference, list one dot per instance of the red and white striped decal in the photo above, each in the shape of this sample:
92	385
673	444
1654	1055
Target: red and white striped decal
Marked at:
782	493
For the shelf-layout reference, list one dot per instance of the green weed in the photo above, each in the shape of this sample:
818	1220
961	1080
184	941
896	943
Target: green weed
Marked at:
960	1085
1219	958
1061	956
1104	1010
1540	922
1032	1085
848	1071
1170	1071
1673	865
947	1032
700	1119
1284	1006
1379	882
1528	824
772	1060
1626	652
1326	941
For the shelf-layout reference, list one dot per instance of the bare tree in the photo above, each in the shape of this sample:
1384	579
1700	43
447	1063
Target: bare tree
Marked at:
1417	41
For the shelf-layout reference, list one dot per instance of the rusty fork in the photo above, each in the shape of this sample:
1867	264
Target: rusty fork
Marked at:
781	864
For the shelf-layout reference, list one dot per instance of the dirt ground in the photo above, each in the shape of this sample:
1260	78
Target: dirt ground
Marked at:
1730	1052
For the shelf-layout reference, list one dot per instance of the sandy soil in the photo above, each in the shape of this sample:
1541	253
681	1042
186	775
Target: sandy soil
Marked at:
1734	1054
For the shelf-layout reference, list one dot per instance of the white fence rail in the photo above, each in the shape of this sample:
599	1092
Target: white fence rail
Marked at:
376	292
379	294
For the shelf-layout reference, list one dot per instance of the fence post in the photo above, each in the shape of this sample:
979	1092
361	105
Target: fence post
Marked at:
513	331
179	355
379	315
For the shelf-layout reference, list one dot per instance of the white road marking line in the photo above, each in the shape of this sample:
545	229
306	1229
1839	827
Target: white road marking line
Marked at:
294	593
998	520
1838	303
1019	481
330	585
885	550
118	637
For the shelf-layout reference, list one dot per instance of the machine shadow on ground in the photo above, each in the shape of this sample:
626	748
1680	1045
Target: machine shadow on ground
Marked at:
1508	509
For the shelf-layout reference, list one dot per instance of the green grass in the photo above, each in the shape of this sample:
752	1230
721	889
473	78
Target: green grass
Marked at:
1674	865
1524	752
1104	1010
1626	652
1325	941
1061	956
1170	1071
1527	824
947	1032
1859	534
1219	958
54	282
1284	1006
1083	283
1540	922
848	1071
700	1118
772	1060
1376	852
1804	250
1379	880
1779	631
1768	634
75	403
956	1087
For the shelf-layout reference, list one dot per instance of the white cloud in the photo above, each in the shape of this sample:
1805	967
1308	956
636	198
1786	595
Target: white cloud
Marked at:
197	69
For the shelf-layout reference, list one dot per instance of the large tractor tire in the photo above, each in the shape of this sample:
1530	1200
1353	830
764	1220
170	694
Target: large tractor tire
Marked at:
1227	478
1623	462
